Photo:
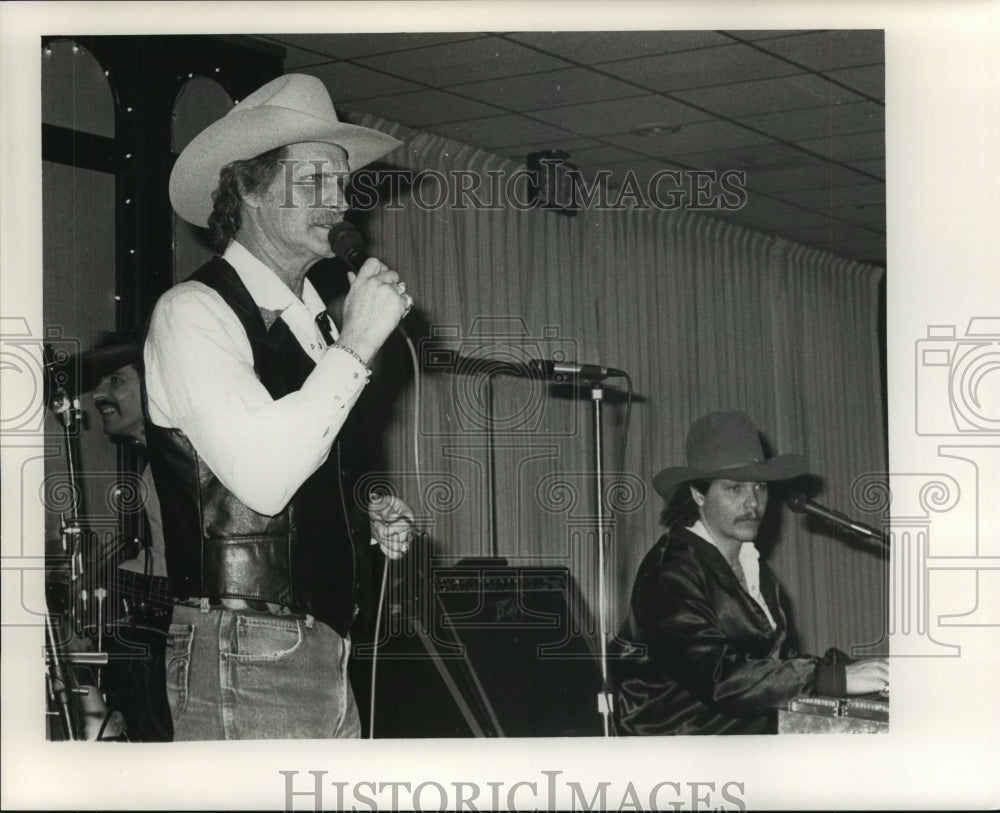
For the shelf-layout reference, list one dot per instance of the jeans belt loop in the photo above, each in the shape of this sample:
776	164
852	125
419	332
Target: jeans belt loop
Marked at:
310	621
204	605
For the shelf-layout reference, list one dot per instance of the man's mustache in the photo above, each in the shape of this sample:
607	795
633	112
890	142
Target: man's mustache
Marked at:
101	402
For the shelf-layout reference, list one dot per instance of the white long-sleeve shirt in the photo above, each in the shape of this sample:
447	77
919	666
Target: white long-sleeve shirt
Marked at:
152	561
200	379
749	558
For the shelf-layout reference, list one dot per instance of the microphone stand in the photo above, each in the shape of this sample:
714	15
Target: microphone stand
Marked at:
62	684
58	683
491	371
70	532
61	689
604	699
491	466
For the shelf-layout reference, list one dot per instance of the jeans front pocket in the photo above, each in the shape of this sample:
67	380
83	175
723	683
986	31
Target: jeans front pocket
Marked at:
265	638
180	638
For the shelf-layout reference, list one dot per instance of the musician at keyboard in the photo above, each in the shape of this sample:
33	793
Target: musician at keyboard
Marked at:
706	633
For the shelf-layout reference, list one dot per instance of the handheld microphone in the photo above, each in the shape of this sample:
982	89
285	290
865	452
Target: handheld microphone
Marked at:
562	370
801	504
347	244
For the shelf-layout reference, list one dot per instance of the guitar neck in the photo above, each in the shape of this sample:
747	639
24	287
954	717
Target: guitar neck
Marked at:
141	587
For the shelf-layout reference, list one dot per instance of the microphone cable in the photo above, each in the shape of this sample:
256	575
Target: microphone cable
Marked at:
378	628
420	497
347	243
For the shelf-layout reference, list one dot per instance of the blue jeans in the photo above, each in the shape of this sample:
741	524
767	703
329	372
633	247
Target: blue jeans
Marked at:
245	675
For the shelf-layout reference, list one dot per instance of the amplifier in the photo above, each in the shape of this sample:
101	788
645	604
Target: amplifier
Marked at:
865	714
493	651
519	580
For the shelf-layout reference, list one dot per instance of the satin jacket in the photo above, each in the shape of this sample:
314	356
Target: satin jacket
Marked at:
699	656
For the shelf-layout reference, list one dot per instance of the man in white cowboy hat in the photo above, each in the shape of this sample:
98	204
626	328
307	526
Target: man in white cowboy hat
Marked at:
706	633
249	386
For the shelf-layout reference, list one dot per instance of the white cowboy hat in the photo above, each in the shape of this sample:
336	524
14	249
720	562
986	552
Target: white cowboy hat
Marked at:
726	445
287	110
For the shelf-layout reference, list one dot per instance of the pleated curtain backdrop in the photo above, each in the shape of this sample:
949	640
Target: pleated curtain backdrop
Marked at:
704	316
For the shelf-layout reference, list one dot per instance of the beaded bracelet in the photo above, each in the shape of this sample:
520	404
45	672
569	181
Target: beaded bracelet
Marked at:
353	354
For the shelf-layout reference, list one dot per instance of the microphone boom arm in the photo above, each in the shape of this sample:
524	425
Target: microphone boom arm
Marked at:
801	504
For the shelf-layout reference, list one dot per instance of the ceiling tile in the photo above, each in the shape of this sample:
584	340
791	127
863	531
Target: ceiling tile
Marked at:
593	47
424	107
819	122
703	68
872	216
501	131
756	158
768	34
815	176
766	213
620	115
568	144
700	135
547	90
600	155
639	167
459	62
352	46
347	82
737	104
631	183
874	166
851	147
867	195
298	58
869	79
647	174
828	50
768	95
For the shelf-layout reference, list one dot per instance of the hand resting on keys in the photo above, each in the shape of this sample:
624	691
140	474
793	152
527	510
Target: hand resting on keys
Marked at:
867	676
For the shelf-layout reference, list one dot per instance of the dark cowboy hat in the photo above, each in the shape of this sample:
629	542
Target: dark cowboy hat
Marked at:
85	371
727	445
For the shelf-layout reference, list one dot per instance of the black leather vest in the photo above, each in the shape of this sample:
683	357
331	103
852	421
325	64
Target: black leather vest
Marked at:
217	547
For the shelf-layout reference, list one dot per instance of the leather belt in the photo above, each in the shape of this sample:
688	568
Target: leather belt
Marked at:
241	604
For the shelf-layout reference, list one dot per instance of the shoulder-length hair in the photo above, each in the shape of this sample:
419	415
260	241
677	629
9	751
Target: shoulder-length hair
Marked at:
236	180
682	509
